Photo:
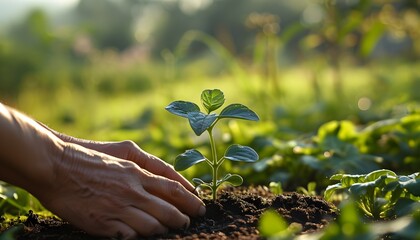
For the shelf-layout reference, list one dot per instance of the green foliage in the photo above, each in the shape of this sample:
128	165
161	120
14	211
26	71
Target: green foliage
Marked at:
15	200
201	122
272	226
349	226
379	194
309	191
342	147
276	188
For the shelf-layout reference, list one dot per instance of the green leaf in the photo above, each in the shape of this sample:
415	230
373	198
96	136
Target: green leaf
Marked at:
239	111
337	177
234	179
349	180
182	108
240	153
361	189
200	122
412	186
271	224
212	99
198	181
331	189
187	159
378	173
371	38
405	206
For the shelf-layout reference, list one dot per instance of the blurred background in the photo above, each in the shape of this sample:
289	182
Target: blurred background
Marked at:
105	70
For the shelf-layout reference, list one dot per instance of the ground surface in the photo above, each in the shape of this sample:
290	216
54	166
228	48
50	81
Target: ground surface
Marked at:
235	215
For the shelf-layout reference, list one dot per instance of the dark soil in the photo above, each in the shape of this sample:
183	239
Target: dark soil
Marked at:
234	215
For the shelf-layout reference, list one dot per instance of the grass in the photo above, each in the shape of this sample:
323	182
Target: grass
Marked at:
89	113
89	110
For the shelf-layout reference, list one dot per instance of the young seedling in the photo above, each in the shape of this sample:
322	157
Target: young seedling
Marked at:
201	122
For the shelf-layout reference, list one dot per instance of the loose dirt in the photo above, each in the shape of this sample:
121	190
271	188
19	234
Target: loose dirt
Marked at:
234	215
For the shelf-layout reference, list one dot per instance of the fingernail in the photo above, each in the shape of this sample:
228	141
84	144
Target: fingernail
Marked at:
202	211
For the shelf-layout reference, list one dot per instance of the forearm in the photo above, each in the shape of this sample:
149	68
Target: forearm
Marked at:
27	151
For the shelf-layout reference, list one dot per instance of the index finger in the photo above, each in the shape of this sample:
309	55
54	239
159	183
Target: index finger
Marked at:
157	166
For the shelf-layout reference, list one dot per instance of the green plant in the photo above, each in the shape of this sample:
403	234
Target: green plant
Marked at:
309	191
276	188
380	194
201	122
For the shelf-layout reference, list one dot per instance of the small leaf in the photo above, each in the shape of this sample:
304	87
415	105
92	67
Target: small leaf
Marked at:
212	99
240	153
200	122
239	111
198	181
234	179
187	159
182	108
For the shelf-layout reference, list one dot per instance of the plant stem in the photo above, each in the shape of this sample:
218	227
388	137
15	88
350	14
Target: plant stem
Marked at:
214	163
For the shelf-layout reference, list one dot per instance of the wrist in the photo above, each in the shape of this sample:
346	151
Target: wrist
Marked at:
27	151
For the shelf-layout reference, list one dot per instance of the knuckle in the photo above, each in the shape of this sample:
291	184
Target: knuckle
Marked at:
175	189
128	145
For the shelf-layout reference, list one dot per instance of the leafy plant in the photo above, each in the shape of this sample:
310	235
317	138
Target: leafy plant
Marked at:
381	193
201	122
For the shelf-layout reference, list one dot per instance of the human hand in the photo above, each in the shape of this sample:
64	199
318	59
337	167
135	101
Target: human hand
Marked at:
128	150
109	196
93	185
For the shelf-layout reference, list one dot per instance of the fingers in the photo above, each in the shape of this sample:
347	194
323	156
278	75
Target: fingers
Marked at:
130	223
176	194
157	166
151	163
162	212
142	223
119	230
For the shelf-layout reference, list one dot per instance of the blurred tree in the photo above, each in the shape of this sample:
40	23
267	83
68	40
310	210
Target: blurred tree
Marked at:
24	53
266	45
109	23
359	29
221	19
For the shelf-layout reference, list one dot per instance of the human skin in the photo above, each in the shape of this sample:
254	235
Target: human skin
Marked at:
112	189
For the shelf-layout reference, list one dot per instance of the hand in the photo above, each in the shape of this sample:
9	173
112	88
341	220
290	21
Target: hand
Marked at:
110	196
128	150
108	189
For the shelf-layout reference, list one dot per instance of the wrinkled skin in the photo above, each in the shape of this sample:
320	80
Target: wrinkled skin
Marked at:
111	189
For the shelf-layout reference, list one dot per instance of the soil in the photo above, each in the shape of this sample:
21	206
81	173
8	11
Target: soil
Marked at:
234	215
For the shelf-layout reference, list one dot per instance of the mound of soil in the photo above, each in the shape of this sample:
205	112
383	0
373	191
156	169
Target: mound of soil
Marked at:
234	215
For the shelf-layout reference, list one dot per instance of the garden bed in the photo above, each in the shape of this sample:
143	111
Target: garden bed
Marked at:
234	215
